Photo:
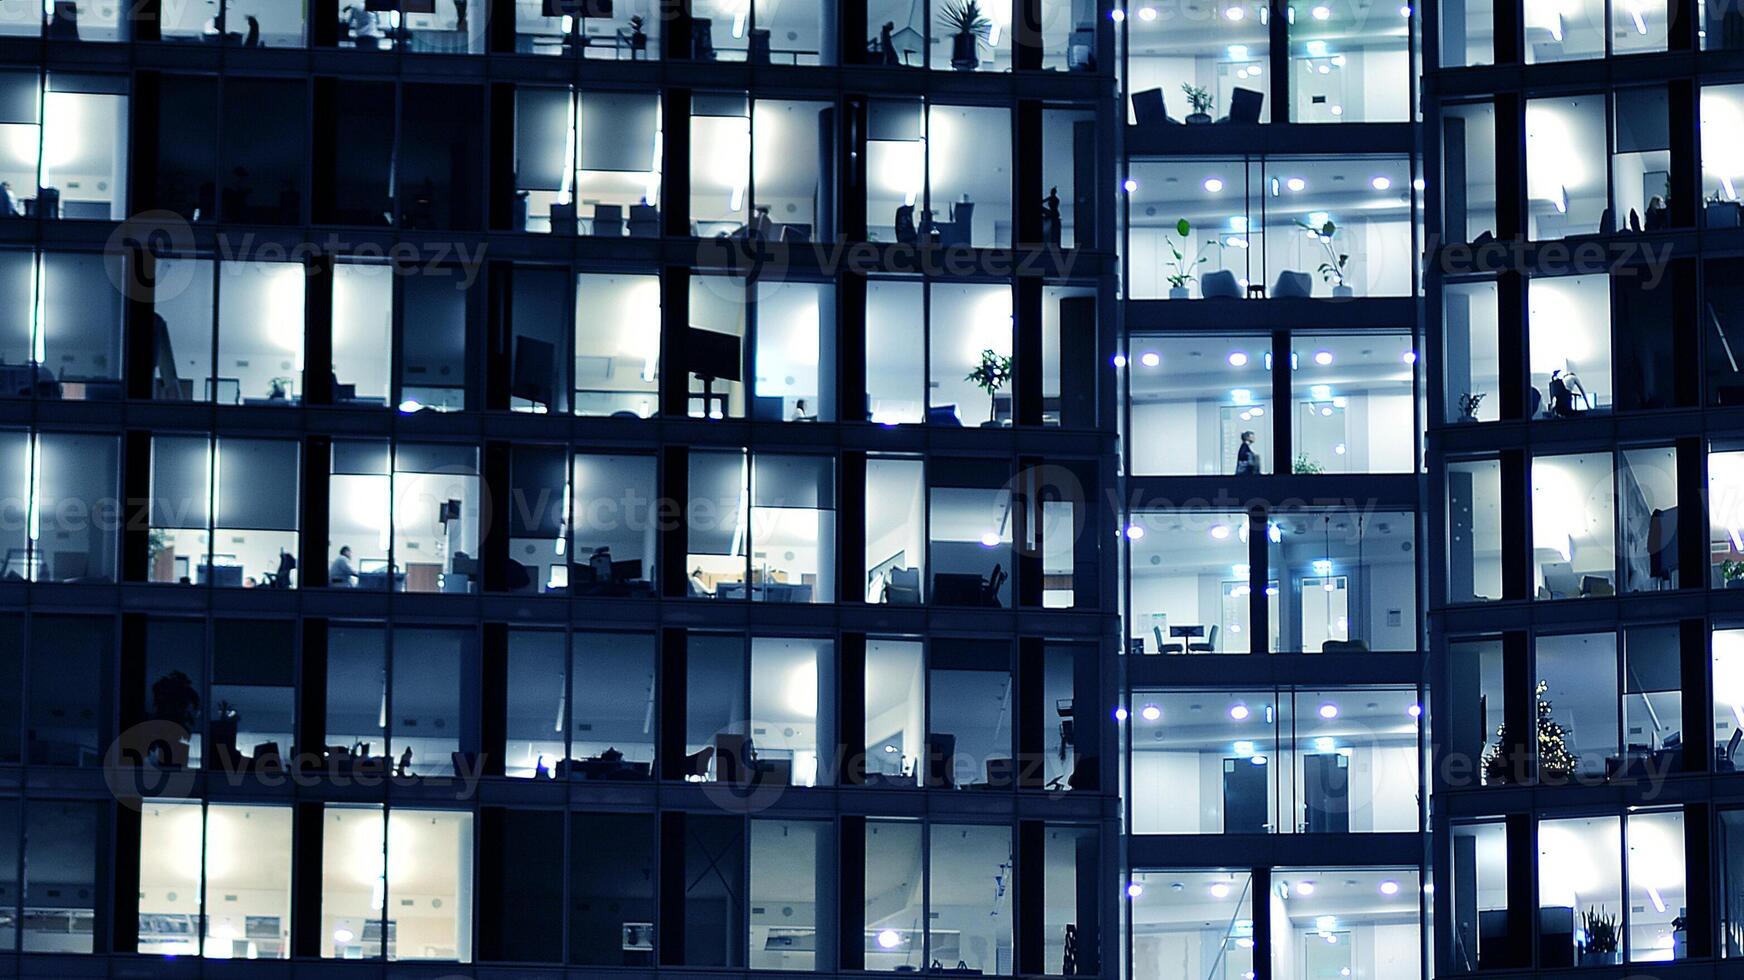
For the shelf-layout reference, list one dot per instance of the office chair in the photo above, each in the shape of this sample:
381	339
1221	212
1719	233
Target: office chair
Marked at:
1166	647
1208	646
995	582
1727	761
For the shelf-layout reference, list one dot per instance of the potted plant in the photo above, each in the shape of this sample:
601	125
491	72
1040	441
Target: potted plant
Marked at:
968	28
1732	573
1183	267
1600	930
1200	99
990	375
638	39
1306	466
1468	406
1332	271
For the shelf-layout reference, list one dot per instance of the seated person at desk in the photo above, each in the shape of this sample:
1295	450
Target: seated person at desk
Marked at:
340	573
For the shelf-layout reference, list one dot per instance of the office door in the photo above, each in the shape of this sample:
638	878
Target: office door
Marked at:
1244	796
1326	793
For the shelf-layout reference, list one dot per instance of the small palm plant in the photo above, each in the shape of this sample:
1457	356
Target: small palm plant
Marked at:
991	375
968	27
1200	99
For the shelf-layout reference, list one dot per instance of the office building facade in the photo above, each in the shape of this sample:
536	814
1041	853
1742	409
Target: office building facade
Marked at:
559	484
1276	664
1580	472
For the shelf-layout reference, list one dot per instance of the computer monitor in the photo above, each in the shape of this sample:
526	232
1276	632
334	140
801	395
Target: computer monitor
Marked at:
714	355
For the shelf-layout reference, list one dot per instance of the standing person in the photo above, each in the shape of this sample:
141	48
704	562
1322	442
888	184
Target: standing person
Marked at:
1247	458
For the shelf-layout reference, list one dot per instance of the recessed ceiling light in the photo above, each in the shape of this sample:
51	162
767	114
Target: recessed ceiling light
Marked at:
1238	711
1381	183
1220	531
1220	890
1117	15
1147	14
1296	183
1134	890
1130	185
1212	185
1150	712
1329	710
1323	357
1237	358
990	540
1389	888
1235	13
1150	358
1321	12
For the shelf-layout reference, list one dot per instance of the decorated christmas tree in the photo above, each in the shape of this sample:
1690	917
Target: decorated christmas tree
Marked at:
1555	758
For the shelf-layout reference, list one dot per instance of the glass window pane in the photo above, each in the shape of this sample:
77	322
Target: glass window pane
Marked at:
896	386
1580	887
895	530
1641	145
971	535
441	172
436	519
353	885
1356	756
75	508
185	303
792	148
1213	395
357	696
895	713
787	857
538	703
355	186
1656	886
520	888
538	521
61	842
1350	63
11	701
1223	250
794	377
1474	531
255	494
895	912
967	921
1569	332
617	348
896	166
426	717
715	715
1565	140
1479	698
360	495
1339	226
1480	883
170	838
181	494
611	889
84	140
187	135
1210	55
792	681
713	902
539	298
9	831
253	693
1564	31
430	858
1351	581
175	688
1355	401
1468	140
969	175
716	346
1202	762
81	324
260	333
65	664
363	325
971	355
1574	549
1072	943
717	549
1647	486
613	698
720	162
434	371
617	183
248	903
1347	922
793	528
1193	923
1191	582
263	184
1470	325
969	737
1468	30
614	521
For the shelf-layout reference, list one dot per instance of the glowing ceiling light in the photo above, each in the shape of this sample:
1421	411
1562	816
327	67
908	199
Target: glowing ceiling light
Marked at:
1238	711
1296	184
1381	183
1212	185
1150	712
1150	358
1237	358
1329	711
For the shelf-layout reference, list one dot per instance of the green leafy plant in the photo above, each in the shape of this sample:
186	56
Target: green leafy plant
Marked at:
992	374
1600	929
1331	270
1184	267
1198	97
1732	570
1307	466
965	17
1468	405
